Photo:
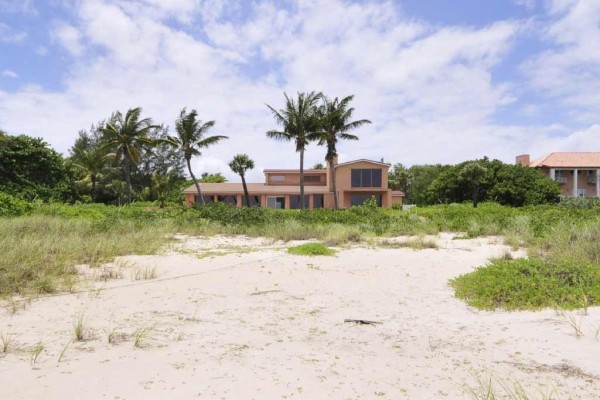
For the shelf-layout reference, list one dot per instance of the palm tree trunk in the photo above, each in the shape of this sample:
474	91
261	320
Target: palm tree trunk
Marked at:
333	183
302	179
246	195
128	179
93	188
187	160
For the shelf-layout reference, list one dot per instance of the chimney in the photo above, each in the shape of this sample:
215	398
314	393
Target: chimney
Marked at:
523	159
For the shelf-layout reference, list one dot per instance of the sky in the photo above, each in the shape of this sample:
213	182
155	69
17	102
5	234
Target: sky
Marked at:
442	81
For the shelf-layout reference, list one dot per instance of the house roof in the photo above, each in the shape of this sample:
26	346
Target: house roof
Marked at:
569	159
397	193
294	171
254	188
363	160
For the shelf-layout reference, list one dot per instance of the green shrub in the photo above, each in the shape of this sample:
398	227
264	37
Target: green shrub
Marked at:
530	284
311	249
12	206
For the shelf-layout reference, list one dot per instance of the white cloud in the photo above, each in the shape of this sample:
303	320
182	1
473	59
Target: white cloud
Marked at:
9	35
10	74
68	37
430	91
569	70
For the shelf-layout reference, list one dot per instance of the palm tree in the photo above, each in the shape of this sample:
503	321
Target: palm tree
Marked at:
191	138
92	162
240	164
335	124
129	137
300	123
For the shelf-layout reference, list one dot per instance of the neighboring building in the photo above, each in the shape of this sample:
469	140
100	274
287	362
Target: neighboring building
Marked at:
577	172
356	182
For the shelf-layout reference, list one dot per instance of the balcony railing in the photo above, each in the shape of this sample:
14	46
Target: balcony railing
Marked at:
592	180
561	179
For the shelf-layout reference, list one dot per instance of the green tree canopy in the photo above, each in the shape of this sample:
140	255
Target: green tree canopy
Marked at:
128	137
240	164
191	139
31	169
300	121
335	123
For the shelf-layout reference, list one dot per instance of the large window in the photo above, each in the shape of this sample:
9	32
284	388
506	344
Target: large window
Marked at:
231	200
295	202
207	199
312	179
318	200
276	202
359	199
362	178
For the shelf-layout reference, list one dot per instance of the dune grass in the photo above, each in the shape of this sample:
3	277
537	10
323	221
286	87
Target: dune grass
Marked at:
41	249
311	249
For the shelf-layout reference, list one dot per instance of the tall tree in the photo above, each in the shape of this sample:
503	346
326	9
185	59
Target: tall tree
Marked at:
31	169
128	136
300	121
335	123
92	162
240	164
472	173
191	138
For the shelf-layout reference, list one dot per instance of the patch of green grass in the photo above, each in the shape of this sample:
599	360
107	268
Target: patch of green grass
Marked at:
311	249
530	284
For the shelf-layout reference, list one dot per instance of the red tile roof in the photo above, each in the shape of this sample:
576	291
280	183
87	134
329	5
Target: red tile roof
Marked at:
569	160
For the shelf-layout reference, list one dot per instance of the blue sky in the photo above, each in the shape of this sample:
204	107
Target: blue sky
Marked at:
442	81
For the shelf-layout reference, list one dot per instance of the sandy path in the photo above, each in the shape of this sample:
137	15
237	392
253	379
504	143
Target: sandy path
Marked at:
267	325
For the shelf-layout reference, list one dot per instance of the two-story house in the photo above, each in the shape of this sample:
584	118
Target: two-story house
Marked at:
356	181
577	172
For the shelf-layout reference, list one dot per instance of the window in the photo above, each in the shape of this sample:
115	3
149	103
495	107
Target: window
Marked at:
366	177
359	199
277	178
207	199
276	202
312	179
254	201
295	202
231	200
318	201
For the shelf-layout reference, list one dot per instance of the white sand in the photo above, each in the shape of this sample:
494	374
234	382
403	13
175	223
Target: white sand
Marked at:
256	323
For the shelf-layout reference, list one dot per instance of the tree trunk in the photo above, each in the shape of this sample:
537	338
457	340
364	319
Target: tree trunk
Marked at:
333	183
302	179
187	160
246	195
128	179
475	196
93	188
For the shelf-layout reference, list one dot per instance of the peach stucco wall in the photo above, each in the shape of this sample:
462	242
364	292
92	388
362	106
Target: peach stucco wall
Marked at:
293	179
566	179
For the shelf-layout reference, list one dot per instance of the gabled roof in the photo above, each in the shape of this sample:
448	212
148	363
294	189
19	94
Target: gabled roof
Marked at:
569	160
364	160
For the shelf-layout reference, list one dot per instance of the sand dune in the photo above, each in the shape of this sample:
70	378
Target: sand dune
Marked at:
239	318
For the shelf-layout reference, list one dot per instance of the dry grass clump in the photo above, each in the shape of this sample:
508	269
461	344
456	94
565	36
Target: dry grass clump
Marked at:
39	252
415	244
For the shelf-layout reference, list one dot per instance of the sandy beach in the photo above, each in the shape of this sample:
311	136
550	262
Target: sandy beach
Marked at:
239	318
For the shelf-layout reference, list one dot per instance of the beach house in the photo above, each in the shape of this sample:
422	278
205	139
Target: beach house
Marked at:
577	172
356	181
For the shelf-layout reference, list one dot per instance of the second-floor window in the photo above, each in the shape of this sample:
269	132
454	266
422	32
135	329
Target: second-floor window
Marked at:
364	178
312	178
